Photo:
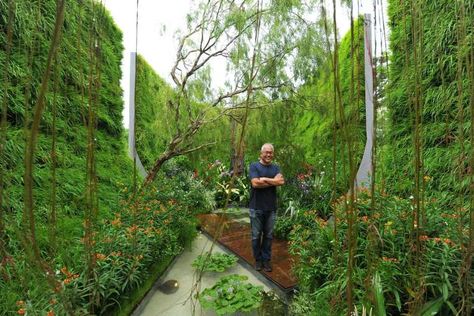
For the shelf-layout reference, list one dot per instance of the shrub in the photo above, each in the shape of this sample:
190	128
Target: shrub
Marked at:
322	271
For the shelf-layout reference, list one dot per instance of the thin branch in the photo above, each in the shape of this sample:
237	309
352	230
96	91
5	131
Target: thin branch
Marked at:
188	151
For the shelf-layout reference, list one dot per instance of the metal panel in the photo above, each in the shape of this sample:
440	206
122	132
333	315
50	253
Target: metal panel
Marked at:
363	178
132	151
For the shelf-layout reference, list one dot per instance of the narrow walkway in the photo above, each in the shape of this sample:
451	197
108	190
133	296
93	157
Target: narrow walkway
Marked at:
157	303
236	237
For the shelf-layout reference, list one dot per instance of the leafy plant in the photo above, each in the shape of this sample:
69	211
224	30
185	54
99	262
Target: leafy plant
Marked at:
231	294
238	192
217	262
283	227
313	240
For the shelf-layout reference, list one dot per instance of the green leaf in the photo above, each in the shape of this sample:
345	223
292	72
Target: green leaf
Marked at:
379	298
431	307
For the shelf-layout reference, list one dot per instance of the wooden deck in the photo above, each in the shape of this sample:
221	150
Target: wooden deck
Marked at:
235	236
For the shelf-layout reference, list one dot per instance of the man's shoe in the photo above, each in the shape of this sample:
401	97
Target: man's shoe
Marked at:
258	265
267	266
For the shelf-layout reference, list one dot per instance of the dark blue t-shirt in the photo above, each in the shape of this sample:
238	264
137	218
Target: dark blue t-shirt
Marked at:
264	199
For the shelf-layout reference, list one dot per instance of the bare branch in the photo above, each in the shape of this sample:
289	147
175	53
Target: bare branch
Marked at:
188	151
245	89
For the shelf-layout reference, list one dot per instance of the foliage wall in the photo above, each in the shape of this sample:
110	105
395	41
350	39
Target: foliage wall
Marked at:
68	94
88	60
444	86
156	122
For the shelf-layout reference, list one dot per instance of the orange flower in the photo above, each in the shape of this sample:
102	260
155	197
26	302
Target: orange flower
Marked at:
100	256
148	231
424	238
21	311
321	222
58	288
67	281
389	259
116	222
50	313
448	242
132	229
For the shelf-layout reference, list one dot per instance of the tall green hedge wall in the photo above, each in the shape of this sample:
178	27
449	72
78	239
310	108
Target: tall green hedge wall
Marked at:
68	90
442	55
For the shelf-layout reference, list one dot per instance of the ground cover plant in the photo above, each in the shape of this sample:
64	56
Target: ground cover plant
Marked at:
218	262
231	294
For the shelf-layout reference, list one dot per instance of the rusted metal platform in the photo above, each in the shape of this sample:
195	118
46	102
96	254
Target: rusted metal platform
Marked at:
235	236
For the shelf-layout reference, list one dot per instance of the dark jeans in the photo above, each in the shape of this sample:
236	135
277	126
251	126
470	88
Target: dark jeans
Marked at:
262	223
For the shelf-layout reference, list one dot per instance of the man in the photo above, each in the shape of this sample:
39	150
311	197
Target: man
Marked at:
264	177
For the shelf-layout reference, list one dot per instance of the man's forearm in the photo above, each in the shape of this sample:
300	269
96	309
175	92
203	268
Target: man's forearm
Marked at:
264	182
260	183
274	181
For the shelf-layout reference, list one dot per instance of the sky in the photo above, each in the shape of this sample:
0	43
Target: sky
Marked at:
158	22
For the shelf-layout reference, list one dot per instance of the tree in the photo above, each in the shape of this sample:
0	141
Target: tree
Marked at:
259	43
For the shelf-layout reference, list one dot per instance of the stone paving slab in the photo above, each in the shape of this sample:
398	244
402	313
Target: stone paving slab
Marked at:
157	303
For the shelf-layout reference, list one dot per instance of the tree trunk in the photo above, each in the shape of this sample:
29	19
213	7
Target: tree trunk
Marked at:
167	155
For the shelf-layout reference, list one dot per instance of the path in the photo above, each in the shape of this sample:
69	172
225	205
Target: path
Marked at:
157	303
